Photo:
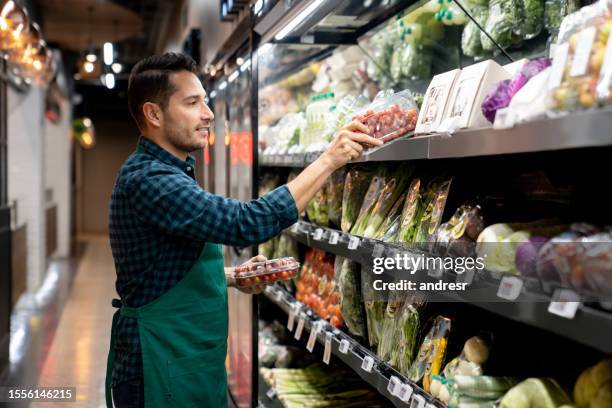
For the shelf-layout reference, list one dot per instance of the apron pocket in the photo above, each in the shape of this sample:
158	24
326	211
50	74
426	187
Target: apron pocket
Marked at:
199	380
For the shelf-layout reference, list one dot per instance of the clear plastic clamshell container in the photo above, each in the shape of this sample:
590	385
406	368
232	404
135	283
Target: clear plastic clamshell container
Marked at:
268	272
389	116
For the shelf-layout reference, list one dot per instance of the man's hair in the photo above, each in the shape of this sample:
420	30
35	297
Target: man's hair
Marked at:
150	81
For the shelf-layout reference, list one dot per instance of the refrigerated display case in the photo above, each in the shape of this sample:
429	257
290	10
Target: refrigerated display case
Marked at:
523	173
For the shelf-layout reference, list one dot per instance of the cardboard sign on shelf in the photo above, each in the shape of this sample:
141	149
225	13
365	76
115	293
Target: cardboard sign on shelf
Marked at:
436	101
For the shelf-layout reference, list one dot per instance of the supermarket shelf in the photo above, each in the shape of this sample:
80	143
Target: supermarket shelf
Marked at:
580	130
288	160
530	307
266	395
379	375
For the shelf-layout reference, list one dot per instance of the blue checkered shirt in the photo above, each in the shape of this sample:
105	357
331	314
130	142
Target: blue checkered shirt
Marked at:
160	219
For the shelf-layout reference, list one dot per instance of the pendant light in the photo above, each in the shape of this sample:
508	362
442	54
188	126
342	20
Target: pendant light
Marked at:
14	26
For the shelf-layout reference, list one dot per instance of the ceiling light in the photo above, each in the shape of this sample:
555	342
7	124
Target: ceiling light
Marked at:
222	85
110	80
116	67
258	7
233	76
91	57
86	122
88	67
213	94
239	61
108	53
246	65
297	20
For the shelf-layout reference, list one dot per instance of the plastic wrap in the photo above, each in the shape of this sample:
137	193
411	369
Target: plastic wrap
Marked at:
374	309
268	272
534	18
390	329
433	204
355	188
503	23
369	201
471	44
457	237
411	213
387	228
389	116
335	191
555	11
318	209
432	352
351	303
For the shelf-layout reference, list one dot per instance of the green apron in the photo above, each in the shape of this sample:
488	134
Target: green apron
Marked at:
183	336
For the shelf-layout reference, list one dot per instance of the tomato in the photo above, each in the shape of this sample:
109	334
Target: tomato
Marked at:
336	322
333	298
284	275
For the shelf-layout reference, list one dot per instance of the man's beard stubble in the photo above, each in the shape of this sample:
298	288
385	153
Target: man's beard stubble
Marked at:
181	138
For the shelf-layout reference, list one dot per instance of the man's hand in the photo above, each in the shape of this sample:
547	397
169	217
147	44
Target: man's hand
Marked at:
257	289
348	144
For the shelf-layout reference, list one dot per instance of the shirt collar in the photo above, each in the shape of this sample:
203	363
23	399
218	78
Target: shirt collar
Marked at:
158	152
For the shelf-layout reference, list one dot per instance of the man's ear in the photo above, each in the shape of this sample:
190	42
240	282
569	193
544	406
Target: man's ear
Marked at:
152	114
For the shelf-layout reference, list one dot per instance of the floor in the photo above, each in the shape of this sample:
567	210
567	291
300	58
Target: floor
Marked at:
77	356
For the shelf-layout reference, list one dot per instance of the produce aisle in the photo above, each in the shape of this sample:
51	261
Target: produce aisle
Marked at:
468	261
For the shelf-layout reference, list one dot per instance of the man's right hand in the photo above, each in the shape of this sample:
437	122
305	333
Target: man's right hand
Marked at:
348	144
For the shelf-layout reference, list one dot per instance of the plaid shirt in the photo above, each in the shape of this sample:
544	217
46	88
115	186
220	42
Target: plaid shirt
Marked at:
160	219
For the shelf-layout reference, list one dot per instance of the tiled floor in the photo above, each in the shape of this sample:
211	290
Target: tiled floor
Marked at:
77	356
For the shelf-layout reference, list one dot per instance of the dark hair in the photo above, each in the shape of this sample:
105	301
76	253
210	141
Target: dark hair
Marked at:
149	81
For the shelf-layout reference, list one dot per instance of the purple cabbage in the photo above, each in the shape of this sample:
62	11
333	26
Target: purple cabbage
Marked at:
529	70
527	255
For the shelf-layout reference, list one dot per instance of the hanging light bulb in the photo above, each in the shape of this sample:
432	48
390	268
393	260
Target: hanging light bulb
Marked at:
88	67
116	67
91	57
31	43
14	25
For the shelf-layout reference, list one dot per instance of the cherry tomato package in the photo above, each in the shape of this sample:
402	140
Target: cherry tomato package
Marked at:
389	116
268	272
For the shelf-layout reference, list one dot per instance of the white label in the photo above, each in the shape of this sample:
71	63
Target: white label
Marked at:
504	119
353	243
314	330
295	227
565	303
300	327
291	320
378	250
344	346
271	393
405	393
604	87
318	234
466	277
583	52
279	295
333	238
328	347
558	65
510	288
418	401
367	364
394	385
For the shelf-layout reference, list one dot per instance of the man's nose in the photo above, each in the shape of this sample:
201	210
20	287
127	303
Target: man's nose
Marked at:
207	113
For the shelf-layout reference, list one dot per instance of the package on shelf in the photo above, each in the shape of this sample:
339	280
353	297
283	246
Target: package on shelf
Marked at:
555	11
504	24
529	103
582	60
320	119
389	116
515	67
544	392
436	101
474	83
347	275
356	184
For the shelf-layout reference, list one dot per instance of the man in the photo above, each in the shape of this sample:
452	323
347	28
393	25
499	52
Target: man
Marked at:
168	341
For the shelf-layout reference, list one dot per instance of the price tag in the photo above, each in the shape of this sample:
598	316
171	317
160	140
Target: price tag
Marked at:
291	321
318	234
558	64
367	364
418	401
394	385
510	288
378	250
328	347
565	303
466	277
314	330
279	295
353	243
271	393
300	327
582	55
405	392
334	237
504	119
344	346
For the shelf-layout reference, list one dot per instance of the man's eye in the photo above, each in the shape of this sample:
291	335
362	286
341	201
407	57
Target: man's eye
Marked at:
193	102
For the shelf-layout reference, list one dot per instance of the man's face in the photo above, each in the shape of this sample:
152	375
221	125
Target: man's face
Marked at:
187	118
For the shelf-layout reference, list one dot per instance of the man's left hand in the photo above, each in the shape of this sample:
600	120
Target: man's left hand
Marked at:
257	289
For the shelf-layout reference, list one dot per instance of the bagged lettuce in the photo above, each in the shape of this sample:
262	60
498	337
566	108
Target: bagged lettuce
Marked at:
390	329
355	187
434	202
374	309
351	303
534	18
389	227
334	196
471	45
503	23
411	213
535	392
370	199
318	208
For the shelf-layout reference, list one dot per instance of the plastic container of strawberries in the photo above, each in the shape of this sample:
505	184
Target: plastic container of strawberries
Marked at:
389	116
265	273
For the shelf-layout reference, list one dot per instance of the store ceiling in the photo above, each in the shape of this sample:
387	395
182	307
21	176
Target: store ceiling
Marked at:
135	25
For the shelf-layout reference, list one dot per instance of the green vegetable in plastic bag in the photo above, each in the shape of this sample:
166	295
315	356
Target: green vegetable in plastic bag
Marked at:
369	201
411	213
355	187
433	203
390	329
334	197
350	296
374	308
409	324
555	11
471	44
317	208
503	24
535	392
415	62
534	17
268	248
389	227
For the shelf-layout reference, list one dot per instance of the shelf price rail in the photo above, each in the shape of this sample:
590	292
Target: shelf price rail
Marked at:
559	314
385	379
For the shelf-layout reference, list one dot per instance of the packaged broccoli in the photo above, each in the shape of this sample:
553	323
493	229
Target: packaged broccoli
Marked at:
411	213
471	44
503	23
355	187
534	18
334	197
555	11
416	62
351	304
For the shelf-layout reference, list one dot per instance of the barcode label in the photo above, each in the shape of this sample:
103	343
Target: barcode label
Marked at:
271	393
353	243
565	303
333	238
328	347
418	401
405	393
367	364
318	234
344	346
510	288
300	327
291	321
314	330
394	385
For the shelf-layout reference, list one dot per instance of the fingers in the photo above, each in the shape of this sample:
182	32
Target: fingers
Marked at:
360	138
259	258
356	126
